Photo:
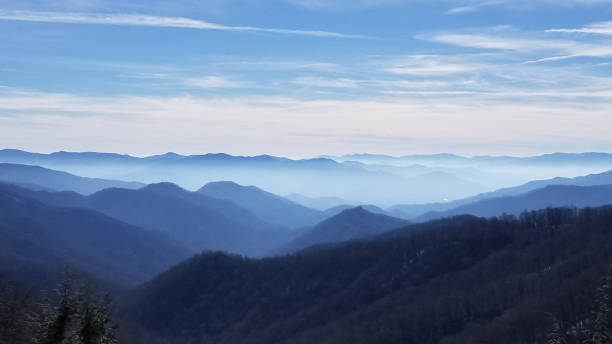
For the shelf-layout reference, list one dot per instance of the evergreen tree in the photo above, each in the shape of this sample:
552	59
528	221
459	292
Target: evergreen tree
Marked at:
78	319
95	323
556	334
59	330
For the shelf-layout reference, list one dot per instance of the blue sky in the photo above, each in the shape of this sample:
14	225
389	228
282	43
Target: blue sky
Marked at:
306	77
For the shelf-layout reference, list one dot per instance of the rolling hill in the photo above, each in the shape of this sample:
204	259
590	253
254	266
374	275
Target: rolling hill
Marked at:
37	236
350	224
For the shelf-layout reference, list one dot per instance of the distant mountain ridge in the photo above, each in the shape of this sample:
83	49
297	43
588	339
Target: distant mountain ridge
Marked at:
265	205
417	181
38	176
552	158
411	211
275	174
548	196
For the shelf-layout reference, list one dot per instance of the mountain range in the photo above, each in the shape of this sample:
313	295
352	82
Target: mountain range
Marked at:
318	177
196	221
269	269
411	211
35	235
548	196
559	158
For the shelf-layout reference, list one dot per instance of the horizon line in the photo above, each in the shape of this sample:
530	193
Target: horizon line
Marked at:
315	157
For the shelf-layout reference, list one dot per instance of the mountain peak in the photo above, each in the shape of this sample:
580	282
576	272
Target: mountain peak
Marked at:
226	185
168	155
351	224
164	187
359	210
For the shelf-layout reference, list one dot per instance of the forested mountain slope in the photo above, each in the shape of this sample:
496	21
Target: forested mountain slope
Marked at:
458	280
196	221
36	237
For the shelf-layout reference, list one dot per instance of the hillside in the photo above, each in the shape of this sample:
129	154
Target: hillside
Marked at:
549	196
338	209
39	177
409	211
35	236
319	203
196	221
457	280
267	206
350	224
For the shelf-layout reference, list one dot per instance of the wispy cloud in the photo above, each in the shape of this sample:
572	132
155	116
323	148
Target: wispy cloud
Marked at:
603	28
345	4
326	82
280	65
473	7
560	49
154	21
212	81
460	6
487	41
549	59
427	65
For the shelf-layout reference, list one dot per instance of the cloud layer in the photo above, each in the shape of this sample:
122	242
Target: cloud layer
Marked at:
294	127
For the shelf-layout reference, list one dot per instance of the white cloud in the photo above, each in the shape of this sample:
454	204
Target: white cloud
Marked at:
326	82
604	28
428	65
456	6
212	81
485	41
285	126
152	21
281	65
473	7
515	41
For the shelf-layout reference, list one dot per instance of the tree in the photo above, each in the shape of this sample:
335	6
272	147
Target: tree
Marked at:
556	334
94	316
80	318
58	321
600	331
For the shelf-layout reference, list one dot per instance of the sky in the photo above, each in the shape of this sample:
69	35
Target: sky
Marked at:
302	78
